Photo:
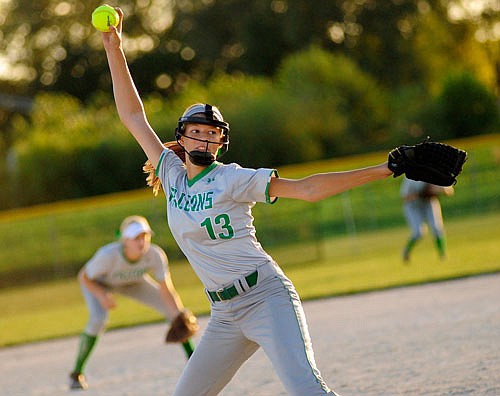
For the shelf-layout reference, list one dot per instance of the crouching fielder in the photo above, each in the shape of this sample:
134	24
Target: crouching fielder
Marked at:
133	267
253	303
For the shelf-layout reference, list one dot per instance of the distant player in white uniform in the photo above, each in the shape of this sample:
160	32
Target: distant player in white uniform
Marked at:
422	208
253	304
133	267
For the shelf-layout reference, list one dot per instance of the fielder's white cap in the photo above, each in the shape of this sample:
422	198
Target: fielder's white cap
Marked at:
134	226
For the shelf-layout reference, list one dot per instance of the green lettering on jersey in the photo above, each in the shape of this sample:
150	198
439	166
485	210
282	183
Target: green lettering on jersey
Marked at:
130	274
171	196
193	199
200	201
179	201
190	203
209	199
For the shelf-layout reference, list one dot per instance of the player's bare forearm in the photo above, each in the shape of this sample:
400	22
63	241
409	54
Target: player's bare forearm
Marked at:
128	102
170	298
130	107
323	185
127	99
104	296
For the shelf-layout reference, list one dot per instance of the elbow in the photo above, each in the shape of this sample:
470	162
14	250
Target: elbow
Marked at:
126	119
319	197
313	198
131	117
316	188
82	276
313	195
322	192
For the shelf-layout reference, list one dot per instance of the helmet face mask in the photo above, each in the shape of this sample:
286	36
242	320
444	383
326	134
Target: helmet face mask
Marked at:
207	115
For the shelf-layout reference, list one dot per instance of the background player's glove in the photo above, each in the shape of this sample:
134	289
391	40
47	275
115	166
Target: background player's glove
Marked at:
431	162
183	327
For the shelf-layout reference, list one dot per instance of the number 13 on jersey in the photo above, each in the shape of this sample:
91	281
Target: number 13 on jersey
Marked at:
221	222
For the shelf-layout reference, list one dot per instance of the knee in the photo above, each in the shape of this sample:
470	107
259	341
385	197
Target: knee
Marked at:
416	235
96	324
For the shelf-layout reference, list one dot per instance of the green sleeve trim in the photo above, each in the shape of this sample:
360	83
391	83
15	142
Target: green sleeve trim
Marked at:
274	172
163	153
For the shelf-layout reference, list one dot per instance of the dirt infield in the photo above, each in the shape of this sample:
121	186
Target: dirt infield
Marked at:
436	339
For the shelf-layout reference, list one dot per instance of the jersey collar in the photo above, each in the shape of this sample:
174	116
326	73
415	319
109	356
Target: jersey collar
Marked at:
203	173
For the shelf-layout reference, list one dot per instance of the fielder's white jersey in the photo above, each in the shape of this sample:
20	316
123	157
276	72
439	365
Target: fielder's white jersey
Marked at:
110	267
210	217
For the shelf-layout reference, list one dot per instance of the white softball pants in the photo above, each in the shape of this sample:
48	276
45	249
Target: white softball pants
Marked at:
269	316
424	211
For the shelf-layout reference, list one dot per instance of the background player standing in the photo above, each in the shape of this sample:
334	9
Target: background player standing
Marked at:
253	303
125	267
421	207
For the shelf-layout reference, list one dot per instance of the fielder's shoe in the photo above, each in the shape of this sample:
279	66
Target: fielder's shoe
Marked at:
77	381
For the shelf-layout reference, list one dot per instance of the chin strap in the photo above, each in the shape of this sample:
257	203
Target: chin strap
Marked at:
200	158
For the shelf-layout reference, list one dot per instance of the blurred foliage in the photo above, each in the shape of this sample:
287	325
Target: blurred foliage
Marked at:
335	101
317	106
298	80
71	151
466	107
462	107
51	44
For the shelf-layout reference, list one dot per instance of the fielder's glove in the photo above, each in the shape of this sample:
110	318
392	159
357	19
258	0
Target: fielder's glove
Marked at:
431	162
183	327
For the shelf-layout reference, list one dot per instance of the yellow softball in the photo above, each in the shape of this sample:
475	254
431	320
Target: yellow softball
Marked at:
105	16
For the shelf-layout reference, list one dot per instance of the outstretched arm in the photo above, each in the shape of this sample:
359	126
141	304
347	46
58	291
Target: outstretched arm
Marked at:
323	185
128	102
170	297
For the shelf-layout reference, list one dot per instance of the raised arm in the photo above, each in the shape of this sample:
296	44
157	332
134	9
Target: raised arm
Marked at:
128	102
323	185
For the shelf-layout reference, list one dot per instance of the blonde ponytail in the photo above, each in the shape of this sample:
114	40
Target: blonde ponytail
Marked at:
154	181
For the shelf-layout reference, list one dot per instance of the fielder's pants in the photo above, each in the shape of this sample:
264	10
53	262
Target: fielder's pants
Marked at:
145	291
270	316
424	211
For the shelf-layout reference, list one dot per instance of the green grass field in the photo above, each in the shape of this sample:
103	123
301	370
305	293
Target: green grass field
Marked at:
345	244
350	264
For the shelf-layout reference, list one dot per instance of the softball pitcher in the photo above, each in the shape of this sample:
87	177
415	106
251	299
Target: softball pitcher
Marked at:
124	267
253	303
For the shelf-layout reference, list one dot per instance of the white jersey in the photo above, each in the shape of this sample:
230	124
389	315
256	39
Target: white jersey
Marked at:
110	267
210	217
